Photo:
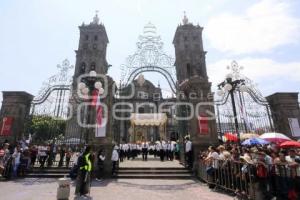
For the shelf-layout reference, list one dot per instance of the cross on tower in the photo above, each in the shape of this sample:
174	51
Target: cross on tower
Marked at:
96	18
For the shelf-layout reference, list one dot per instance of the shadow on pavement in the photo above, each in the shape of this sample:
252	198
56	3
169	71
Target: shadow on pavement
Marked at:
83	198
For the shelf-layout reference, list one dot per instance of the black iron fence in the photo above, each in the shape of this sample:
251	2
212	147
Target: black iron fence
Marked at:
252	181
55	161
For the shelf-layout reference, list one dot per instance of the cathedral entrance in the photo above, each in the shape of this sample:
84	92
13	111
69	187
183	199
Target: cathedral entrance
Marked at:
149	127
148	120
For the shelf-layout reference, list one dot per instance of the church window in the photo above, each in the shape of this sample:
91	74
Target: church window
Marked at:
188	70
85	45
86	37
141	110
156	96
96	37
82	68
93	66
142	95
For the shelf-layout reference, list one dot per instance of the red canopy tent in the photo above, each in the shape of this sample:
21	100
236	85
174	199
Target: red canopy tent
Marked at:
290	144
231	137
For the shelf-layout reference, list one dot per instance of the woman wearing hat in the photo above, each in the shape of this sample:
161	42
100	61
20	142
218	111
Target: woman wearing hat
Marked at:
243	175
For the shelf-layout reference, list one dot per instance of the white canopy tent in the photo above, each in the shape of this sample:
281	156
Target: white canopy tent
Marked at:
148	119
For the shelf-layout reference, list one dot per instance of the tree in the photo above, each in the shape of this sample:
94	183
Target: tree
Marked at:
46	127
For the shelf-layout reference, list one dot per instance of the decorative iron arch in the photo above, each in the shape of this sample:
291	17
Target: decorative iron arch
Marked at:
160	70
53	97
149	57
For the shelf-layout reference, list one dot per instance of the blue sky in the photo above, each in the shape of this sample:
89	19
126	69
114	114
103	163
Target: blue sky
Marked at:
262	36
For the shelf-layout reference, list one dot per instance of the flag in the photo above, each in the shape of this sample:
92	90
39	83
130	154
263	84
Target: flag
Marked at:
6	126
100	130
203	124
95	97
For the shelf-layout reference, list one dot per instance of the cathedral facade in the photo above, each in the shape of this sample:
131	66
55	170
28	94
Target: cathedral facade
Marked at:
192	86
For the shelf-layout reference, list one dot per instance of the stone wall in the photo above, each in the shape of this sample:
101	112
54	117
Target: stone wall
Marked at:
16	104
284	105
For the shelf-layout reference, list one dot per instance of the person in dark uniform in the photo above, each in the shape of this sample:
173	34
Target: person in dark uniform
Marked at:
100	164
122	152
84	173
62	156
145	147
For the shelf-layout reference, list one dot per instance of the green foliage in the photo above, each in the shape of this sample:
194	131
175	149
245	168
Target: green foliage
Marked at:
46	128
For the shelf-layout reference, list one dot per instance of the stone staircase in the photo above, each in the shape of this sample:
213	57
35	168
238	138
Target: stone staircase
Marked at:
153	173
48	172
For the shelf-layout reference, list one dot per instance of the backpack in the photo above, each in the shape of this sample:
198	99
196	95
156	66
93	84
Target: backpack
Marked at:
80	161
261	171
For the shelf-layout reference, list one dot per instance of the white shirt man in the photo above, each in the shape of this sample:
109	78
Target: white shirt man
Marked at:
126	147
164	146
158	146
188	146
114	159
115	155
213	157
145	145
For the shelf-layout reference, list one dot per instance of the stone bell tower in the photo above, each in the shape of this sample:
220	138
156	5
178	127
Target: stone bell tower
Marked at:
194	85
91	53
189	53
90	56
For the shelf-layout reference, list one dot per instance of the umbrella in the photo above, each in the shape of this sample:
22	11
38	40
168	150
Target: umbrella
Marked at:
290	144
231	137
275	137
255	141
249	135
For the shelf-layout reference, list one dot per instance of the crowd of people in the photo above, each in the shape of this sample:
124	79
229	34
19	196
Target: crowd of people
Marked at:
275	171
17	159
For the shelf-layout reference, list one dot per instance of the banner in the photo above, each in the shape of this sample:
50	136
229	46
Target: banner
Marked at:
294	127
100	130
6	126
203	125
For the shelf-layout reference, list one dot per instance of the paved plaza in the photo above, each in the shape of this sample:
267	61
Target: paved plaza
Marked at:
122	189
117	189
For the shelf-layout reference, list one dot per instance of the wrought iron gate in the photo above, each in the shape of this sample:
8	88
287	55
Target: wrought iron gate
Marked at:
253	112
49	110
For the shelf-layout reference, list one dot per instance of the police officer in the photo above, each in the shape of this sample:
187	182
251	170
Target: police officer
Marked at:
84	174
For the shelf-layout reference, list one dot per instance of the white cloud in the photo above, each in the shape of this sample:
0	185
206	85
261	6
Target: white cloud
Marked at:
262	27
280	76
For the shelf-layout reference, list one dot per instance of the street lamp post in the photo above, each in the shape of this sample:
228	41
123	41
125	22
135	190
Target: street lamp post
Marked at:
87	86
230	86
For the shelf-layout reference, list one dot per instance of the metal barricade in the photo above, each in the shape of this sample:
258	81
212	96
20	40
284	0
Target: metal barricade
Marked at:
245	180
